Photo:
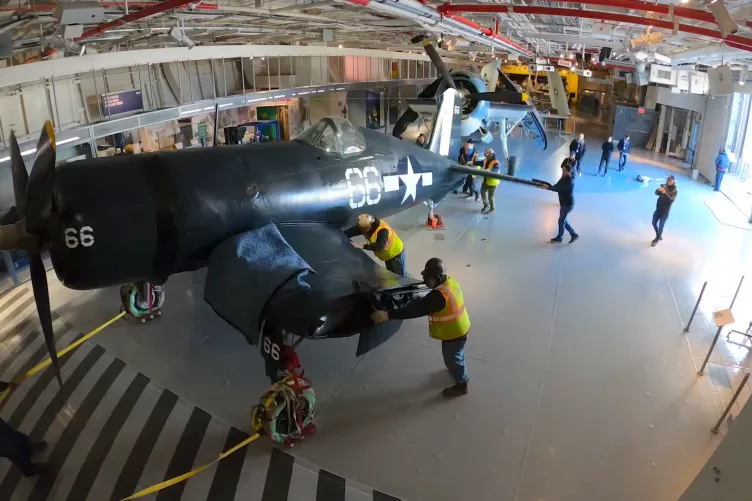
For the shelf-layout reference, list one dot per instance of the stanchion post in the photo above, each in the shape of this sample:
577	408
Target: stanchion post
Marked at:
738	288
697	304
712	345
717	426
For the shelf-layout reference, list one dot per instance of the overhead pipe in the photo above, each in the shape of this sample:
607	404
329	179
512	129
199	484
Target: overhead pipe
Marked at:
711	50
662	9
152	9
731	40
44	7
457	25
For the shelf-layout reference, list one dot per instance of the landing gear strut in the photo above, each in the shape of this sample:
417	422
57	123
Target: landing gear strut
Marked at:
141	301
286	410
434	221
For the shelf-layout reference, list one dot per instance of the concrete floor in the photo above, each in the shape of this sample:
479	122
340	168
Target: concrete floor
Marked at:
583	383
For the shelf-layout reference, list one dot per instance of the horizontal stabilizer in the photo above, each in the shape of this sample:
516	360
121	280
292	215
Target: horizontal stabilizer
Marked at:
486	173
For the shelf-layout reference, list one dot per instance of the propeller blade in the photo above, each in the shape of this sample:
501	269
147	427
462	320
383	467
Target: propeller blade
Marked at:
498	96
19	174
435	59
42	298
41	180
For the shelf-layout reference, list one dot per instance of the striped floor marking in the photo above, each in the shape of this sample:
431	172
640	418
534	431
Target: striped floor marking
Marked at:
112	431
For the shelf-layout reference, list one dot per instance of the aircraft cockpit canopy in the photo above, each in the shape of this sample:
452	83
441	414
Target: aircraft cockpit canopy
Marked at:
334	135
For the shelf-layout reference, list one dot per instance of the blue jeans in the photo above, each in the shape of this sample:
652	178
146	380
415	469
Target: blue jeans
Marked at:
563	224
397	265
454	358
718	178
659	221
623	159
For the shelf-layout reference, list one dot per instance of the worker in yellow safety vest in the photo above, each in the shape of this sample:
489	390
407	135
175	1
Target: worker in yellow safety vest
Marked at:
382	241
448	320
488	190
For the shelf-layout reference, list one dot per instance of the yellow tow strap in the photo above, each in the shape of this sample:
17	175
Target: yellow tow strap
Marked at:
20	379
185	476
154	488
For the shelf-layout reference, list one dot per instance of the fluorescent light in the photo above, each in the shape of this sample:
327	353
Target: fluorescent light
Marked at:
226	104
28	152
303	93
741	82
340	88
662	58
65	141
4	159
279	97
208	108
258	99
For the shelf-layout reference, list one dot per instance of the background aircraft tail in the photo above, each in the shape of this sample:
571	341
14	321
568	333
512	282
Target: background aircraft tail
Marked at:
557	94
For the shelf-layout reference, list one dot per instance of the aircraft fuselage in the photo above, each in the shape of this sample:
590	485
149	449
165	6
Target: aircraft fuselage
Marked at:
144	217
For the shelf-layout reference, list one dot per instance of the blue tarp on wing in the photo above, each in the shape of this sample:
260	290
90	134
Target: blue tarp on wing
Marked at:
245	270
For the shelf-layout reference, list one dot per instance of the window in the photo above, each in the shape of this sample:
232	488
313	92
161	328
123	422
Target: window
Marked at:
334	134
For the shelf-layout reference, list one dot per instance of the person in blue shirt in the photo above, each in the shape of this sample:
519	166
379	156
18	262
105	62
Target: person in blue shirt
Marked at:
623	148
721	166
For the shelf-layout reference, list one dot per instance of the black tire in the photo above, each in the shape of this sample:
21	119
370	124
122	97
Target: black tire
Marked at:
512	166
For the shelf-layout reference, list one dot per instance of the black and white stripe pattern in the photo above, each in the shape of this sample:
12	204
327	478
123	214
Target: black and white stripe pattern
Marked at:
112	431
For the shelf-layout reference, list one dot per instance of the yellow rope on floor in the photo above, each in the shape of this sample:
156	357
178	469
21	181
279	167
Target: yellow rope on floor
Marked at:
20	379
185	476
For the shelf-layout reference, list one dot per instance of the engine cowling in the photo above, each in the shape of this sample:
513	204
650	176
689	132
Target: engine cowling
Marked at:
474	112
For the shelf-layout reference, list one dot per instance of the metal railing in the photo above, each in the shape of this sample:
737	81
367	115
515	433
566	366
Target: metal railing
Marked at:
76	100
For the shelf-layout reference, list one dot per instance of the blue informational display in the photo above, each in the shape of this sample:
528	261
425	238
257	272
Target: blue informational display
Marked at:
118	103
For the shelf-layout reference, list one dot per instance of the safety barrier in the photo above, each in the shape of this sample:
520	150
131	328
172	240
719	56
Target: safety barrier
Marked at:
717	426
154	488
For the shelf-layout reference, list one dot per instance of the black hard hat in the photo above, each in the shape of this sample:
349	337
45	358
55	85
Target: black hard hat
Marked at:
434	267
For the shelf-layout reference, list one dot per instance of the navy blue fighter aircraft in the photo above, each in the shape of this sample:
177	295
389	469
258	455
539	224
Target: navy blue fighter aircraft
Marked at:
272	211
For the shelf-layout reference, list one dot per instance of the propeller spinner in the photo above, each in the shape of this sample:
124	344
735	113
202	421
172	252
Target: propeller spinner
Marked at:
33	194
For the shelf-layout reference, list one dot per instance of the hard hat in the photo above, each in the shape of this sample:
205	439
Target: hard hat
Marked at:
129	149
434	267
489	151
365	220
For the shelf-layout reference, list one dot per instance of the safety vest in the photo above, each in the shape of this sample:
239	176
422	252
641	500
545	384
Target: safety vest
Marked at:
489	166
452	321
393	243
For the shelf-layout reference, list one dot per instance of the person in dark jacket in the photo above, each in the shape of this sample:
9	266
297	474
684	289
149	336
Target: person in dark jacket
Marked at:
421	141
565	189
608	149
18	447
448	320
570	162
382	241
578	147
721	166
468	156
623	148
666	196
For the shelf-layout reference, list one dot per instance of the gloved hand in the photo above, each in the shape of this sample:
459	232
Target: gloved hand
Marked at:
379	317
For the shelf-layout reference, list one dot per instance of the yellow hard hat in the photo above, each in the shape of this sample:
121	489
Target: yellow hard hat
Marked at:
129	149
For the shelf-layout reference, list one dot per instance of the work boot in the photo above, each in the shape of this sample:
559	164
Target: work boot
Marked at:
573	238
484	210
457	390
556	240
37	447
654	242
490	211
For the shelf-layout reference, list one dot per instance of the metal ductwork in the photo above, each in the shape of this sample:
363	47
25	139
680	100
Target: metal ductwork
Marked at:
705	52
432	20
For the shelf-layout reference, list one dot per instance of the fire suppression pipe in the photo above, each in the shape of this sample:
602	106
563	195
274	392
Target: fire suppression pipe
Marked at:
663	9
429	17
154	8
731	40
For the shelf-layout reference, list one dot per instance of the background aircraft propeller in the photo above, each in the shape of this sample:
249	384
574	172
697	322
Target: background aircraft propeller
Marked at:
33	194
495	96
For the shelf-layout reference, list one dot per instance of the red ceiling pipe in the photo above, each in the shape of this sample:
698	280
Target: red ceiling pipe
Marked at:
487	32
741	42
152	9
496	26
663	9
134	5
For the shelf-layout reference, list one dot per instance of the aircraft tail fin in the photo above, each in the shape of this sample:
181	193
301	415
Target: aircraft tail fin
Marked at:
557	94
490	74
445	136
